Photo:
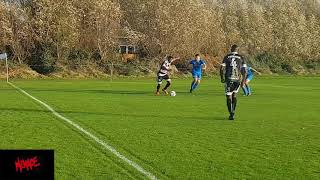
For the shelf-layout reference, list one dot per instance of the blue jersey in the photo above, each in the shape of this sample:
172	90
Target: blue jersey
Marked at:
249	72
197	66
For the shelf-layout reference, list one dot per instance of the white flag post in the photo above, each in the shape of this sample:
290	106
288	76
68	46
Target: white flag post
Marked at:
5	56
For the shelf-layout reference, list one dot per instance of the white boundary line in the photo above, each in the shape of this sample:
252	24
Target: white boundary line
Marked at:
93	137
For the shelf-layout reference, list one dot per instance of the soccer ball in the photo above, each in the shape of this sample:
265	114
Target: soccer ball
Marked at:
173	93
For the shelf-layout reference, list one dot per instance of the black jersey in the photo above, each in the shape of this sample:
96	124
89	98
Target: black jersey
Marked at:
233	64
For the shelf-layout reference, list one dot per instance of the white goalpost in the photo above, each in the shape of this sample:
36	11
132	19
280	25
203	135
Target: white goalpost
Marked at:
5	57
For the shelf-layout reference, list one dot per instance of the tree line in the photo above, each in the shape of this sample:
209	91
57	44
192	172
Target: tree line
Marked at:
274	35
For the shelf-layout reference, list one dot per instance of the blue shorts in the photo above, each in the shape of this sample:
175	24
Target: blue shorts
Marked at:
197	75
249	78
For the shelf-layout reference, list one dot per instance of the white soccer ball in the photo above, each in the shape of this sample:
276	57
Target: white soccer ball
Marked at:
173	93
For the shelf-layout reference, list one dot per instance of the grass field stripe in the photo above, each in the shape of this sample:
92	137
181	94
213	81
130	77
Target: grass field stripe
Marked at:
96	139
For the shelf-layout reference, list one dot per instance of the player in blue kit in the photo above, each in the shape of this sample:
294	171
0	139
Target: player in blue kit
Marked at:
246	88
198	65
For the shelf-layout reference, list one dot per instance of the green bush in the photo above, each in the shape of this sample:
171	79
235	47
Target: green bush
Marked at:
43	58
275	63
78	57
313	64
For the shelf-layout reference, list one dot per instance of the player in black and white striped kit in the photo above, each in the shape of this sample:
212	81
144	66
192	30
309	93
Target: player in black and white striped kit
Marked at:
163	74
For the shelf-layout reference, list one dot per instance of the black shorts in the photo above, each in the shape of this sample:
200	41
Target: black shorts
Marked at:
232	87
161	78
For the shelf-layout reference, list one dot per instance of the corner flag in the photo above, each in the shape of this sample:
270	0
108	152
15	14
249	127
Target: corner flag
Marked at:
4	56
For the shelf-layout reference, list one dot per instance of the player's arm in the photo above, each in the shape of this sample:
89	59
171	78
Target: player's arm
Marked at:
255	71
175	59
204	66
190	65
223	71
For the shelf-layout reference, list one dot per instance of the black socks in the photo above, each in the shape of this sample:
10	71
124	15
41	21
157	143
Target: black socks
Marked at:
229	103
167	86
234	104
158	87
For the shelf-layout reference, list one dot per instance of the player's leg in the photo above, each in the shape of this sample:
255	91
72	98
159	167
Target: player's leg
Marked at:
197	82
236	87
229	103
229	99
234	103
159	82
167	85
248	87
194	82
249	79
245	89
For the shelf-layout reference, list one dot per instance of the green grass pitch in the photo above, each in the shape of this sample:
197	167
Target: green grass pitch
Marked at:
276	134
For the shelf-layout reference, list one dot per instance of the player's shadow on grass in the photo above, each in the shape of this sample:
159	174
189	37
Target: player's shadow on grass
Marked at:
150	116
94	91
202	118
114	92
25	110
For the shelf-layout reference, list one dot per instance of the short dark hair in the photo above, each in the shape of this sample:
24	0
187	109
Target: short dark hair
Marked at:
170	58
197	55
234	48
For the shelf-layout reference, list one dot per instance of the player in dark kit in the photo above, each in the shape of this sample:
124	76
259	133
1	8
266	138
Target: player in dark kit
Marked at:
163	74
233	74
